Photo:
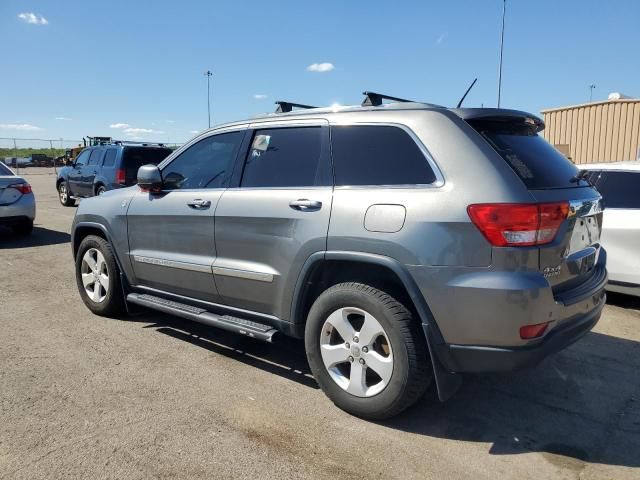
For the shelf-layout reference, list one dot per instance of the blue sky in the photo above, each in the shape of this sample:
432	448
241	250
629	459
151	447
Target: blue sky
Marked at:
91	64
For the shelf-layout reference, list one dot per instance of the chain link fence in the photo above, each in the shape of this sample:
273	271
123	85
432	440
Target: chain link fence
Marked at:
40	155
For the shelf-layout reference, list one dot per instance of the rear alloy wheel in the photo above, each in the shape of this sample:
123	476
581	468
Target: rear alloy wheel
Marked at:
366	351
98	277
100	190
63	194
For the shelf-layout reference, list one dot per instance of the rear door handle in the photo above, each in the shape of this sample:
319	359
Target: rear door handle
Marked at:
199	203
305	205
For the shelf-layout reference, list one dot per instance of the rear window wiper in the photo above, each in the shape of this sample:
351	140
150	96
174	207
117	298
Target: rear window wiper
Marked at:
582	175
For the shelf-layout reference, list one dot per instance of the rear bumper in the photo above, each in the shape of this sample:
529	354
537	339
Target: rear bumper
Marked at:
23	209
479	359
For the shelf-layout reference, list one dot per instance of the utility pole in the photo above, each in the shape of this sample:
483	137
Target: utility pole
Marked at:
208	74
504	10
591	87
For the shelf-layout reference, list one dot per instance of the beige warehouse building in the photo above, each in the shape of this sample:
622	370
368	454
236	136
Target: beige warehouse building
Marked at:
607	131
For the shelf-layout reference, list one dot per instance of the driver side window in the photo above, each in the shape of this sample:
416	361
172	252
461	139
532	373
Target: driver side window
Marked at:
206	164
83	158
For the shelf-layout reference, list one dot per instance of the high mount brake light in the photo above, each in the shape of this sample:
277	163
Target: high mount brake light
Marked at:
23	188
518	224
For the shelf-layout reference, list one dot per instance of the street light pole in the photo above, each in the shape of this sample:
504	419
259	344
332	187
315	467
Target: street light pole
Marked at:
208	74
504	10
591	87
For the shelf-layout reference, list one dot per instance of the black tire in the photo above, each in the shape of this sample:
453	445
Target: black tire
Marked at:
113	304
100	189
65	196
412	372
24	227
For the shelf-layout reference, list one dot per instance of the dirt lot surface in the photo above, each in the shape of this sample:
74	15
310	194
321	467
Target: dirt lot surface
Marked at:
156	397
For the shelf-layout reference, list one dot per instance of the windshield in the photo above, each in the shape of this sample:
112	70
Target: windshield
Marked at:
532	158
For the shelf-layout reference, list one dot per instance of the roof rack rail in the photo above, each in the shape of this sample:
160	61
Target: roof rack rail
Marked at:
285	107
373	99
144	144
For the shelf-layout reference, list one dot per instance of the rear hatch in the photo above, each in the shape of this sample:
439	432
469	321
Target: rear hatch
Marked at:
134	157
568	257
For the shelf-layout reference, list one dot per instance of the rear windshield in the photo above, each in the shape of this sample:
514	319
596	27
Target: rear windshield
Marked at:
134	157
4	170
535	161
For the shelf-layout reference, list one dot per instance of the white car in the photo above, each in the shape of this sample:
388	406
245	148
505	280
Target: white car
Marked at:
619	184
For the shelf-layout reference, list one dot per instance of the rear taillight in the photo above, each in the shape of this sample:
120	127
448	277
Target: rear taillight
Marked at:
23	188
518	224
120	176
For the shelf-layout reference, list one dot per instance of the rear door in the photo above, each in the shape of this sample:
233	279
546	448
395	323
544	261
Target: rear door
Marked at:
573	255
621	225
171	233
90	171
275	218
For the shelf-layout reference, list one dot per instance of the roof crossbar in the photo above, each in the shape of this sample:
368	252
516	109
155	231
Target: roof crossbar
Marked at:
373	99
285	107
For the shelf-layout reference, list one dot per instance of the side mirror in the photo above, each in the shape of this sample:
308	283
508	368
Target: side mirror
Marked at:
150	178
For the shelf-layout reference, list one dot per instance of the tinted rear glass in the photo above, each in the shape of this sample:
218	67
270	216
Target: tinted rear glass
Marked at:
532	158
4	170
134	157
377	155
620	189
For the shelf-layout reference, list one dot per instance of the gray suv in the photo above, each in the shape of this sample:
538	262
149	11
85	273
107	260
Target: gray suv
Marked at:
407	243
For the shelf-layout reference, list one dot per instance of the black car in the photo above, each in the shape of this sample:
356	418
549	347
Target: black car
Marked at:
105	167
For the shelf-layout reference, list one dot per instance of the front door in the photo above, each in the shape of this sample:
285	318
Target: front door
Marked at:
275	218
171	233
74	178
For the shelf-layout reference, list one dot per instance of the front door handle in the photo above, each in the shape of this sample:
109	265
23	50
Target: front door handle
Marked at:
305	205
199	203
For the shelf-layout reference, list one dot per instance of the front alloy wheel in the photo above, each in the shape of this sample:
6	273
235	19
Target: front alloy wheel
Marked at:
95	275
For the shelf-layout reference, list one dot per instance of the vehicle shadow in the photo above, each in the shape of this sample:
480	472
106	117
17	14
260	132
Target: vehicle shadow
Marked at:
623	301
285	357
39	237
581	405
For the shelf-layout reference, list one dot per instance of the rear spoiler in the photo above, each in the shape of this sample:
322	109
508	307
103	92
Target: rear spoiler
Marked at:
498	114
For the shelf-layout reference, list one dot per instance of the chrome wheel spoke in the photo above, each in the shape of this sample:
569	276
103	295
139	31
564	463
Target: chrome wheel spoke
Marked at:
383	366
339	321
96	292
88	279
357	380
91	262
371	329
104	281
334	354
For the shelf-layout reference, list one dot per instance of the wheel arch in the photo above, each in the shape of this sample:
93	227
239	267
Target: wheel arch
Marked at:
323	269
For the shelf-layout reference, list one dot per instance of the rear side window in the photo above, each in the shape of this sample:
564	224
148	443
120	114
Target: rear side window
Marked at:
285	157
96	155
620	189
532	158
134	157
377	155
110	158
4	170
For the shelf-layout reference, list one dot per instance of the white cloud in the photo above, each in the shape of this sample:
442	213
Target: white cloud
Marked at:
119	125
441	38
194	131
171	121
135	132
33	19
321	67
63	118
18	126
259	96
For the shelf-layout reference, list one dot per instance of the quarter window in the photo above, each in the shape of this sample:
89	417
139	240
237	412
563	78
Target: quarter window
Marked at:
286	157
206	164
377	155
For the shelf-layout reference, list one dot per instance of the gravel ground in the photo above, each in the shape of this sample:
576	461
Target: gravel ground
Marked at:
156	397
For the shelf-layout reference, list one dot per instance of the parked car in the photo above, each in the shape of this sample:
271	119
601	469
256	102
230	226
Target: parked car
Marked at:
405	242
17	202
104	167
619	184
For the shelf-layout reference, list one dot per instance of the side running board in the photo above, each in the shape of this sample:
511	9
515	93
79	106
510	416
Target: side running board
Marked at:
226	322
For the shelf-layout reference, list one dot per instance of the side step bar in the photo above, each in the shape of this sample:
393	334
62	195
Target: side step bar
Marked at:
226	322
